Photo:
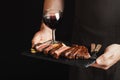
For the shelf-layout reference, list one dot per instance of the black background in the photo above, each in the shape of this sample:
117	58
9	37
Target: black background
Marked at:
19	36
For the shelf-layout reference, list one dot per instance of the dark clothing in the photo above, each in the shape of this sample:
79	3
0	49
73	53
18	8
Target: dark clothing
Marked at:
96	21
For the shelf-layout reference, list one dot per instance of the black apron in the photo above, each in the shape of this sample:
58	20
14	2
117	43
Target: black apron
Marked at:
96	21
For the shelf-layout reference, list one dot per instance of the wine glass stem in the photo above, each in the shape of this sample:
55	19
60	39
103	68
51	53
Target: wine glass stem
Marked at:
53	35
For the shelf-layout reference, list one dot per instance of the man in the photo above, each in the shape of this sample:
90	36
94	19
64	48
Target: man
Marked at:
95	21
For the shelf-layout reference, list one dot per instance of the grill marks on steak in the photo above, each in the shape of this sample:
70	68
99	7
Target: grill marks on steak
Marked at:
61	50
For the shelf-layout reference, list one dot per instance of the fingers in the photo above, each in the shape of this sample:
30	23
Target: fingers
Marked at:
103	62
36	39
109	58
41	37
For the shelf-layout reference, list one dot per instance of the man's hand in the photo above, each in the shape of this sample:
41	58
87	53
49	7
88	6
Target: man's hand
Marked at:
43	35
109	58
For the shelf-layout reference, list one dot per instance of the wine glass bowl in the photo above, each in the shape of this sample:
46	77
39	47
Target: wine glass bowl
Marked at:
51	18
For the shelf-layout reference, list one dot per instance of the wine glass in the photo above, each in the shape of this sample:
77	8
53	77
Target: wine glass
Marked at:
51	18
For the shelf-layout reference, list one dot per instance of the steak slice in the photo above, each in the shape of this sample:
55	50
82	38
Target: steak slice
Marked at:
83	53
40	47
50	47
67	52
71	55
59	51
56	48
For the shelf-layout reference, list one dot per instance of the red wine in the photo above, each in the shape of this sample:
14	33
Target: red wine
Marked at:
51	21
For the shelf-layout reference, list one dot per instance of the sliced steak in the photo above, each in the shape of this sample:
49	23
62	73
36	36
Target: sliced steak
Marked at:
50	47
56	48
83	53
71	55
67	52
59	51
40	47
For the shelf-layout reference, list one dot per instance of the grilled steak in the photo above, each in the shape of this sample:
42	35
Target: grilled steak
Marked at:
51	47
40	46
83	53
59	51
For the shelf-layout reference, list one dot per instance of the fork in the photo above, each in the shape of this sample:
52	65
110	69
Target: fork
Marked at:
95	49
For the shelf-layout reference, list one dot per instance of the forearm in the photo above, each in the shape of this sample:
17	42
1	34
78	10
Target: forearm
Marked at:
53	4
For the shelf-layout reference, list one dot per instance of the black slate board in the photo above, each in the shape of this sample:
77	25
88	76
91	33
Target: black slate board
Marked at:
79	62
